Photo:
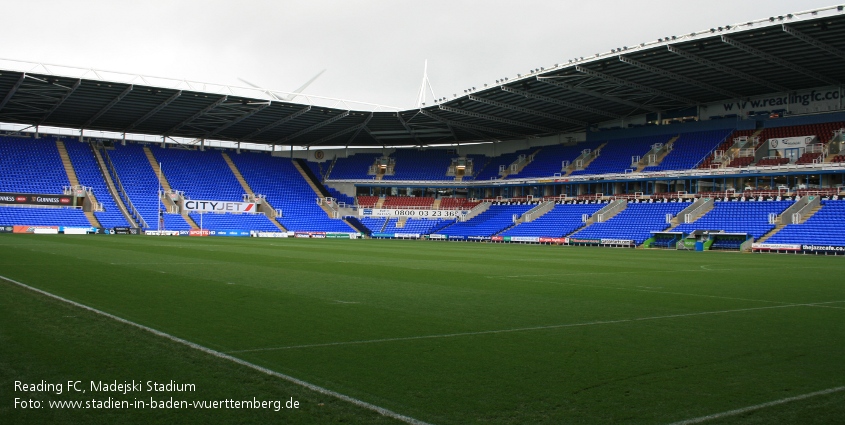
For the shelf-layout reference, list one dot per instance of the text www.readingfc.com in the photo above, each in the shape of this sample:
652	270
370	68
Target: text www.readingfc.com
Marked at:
171	403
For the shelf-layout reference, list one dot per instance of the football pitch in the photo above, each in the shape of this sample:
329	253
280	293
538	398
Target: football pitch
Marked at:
380	331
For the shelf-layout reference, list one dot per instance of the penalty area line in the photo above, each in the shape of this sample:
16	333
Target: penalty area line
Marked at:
757	407
316	388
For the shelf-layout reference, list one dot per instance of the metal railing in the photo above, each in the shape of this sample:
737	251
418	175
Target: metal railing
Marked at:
115	178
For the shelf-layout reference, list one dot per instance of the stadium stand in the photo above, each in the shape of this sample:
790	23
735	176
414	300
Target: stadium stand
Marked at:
751	217
10	216
141	185
562	220
89	174
616	156
422	226
353	167
367	201
550	159
31	165
824	227
496	219
172	222
407	202
491	169
414	164
215	221
201	175
690	149
286	190
375	224
457	203
348	200
635	222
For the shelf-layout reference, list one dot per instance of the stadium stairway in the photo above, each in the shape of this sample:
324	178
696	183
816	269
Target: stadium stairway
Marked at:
112	188
785	221
436	204
268	209
314	183
74	181
165	186
698	208
667	149
528	159
571	169
380	202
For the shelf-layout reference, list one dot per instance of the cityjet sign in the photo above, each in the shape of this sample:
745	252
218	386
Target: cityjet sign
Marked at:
220	206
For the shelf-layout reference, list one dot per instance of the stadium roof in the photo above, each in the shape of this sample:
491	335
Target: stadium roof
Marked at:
780	55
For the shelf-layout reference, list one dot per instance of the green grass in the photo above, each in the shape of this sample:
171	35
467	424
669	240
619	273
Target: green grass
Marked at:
448	333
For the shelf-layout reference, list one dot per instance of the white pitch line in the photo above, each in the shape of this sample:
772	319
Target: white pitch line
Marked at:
325	391
757	407
499	331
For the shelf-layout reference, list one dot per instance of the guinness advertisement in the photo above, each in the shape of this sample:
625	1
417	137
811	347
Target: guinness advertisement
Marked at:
35	199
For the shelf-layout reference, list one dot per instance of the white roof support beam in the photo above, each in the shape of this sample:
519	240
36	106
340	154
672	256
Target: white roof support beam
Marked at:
526	110
576	89
813	42
726	69
197	115
569	105
778	61
153	112
469	126
107	107
314	127
678	77
633	85
497	119
277	123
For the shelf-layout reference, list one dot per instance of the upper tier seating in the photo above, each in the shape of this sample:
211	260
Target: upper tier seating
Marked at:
724	146
823	131
354	167
88	173
488	223
341	197
635	222
412	164
826	226
690	149
750	217
286	190
549	160
491	169
201	175
31	166
316	168
10	216
215	221
562	220
140	180
616	156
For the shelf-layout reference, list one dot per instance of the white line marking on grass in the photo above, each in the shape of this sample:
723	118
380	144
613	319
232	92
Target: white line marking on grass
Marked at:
360	403
757	407
347	302
500	331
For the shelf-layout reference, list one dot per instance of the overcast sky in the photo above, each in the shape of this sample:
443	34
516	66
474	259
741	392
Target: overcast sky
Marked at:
373	50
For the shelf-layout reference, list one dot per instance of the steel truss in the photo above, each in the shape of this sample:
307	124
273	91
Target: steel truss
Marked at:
32	100
776	60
